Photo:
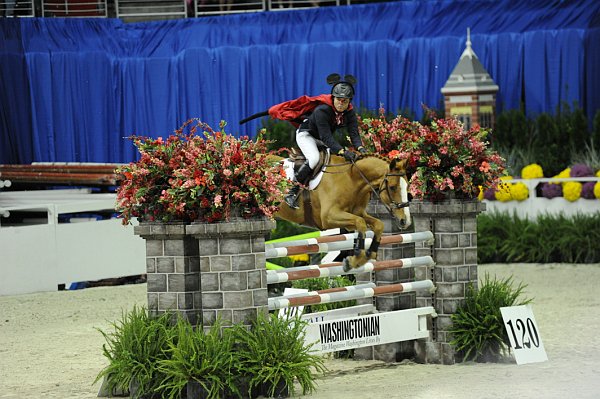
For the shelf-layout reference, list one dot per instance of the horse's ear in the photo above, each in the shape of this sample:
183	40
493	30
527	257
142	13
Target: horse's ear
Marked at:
333	79
398	164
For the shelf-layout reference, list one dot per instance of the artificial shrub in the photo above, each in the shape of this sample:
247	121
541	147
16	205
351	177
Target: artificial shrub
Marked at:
477	329
134	349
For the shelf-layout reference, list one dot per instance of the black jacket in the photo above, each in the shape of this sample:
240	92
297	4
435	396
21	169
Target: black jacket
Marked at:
322	123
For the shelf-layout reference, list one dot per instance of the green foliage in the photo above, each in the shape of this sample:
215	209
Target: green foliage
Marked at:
324	283
134	349
512	130
205	357
280	132
273	352
596	130
589	155
285	228
507	238
477	330
552	141
552	152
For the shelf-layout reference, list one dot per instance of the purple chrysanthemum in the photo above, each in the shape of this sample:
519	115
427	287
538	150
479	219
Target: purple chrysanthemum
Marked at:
587	191
581	170
551	190
490	194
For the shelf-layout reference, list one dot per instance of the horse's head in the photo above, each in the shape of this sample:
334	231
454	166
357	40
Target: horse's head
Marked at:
394	192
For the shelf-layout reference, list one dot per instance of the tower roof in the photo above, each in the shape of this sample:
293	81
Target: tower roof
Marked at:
469	75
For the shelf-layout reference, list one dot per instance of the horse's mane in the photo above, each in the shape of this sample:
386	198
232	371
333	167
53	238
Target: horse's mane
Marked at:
373	155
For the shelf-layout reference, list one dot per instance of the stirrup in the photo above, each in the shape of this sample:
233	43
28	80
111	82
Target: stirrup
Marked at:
292	201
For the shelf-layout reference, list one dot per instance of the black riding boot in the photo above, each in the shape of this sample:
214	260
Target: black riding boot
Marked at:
302	177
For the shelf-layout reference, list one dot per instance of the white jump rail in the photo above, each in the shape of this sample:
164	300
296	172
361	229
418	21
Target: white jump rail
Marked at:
337	269
280	303
319	247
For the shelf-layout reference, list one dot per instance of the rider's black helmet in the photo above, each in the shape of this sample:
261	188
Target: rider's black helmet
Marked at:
341	88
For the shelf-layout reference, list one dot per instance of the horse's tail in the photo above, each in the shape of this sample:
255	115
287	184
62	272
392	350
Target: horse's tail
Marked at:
257	115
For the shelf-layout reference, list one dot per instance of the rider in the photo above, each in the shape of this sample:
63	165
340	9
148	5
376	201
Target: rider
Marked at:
321	124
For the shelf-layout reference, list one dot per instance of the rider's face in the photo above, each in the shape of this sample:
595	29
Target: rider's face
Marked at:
341	104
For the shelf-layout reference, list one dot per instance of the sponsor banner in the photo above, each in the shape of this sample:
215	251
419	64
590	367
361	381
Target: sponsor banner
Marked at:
368	330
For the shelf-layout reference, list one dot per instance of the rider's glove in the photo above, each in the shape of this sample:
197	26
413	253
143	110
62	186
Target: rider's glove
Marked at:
362	150
350	156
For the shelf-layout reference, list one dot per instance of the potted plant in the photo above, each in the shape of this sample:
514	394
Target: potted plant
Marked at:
200	363
134	350
272	355
443	157
199	174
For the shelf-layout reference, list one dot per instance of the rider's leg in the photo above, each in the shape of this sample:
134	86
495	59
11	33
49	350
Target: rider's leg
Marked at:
309	148
302	177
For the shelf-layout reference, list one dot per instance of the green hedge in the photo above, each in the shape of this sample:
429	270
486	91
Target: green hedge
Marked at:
507	238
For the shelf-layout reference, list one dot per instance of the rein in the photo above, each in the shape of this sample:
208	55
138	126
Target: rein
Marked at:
394	204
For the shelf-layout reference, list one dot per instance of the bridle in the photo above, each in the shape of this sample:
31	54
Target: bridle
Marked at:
394	204
384	185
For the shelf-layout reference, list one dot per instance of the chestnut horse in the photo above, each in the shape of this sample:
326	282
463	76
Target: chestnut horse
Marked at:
341	198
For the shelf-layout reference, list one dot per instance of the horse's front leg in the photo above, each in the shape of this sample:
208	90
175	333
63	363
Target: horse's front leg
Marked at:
351	223
377	227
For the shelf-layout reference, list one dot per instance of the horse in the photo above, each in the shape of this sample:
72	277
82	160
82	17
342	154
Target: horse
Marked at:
341	198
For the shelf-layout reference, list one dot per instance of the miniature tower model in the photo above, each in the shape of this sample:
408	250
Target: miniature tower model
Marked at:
470	92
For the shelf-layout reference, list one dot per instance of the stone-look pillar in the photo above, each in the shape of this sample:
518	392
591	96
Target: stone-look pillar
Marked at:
233	276
454	225
398	351
173	270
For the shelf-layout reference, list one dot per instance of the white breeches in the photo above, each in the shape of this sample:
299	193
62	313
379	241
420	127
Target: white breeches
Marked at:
307	145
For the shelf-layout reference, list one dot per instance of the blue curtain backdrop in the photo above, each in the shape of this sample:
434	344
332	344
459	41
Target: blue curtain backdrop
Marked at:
71	90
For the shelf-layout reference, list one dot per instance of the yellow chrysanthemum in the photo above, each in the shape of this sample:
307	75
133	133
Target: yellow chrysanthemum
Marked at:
597	190
299	258
503	194
562	175
572	190
480	195
532	171
598	173
519	191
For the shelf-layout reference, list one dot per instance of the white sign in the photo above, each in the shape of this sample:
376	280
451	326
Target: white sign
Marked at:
294	311
524	336
368	330
351	311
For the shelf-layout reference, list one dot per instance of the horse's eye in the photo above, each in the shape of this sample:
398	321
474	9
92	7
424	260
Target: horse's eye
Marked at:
393	188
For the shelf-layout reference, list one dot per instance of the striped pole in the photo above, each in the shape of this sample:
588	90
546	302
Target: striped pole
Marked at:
315	247
317	240
329	290
280	303
337	269
312	234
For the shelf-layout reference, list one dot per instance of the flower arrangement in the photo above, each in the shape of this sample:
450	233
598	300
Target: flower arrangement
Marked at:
443	157
199	177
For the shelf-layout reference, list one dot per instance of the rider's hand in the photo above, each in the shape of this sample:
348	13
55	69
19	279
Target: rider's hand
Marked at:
362	150
350	156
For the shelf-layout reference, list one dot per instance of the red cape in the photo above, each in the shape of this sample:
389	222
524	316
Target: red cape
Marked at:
293	109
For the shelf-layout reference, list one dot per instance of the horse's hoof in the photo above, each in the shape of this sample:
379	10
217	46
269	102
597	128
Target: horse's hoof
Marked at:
346	264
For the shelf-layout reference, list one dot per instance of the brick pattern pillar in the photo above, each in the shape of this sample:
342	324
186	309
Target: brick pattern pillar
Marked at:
173	270
454	225
232	269
398	351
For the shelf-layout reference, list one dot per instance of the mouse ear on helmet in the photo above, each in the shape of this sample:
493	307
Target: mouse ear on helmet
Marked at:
350	79
333	78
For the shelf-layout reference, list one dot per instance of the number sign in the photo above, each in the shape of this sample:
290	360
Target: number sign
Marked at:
523	334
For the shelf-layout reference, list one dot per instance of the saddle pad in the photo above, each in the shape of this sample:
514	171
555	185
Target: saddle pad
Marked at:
288	166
